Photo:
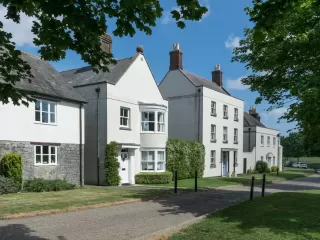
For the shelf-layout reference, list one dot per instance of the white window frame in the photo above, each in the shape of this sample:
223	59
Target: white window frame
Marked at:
148	121
225	111
213	108
225	134
156	122
49	155
124	117
235	137
236	114
274	141
213	134
49	112
156	160
268	141
213	163
262	140
235	158
161	124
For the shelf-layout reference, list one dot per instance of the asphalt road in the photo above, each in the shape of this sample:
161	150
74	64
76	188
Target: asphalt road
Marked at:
135	220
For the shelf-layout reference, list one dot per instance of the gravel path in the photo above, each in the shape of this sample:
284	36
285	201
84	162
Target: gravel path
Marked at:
135	220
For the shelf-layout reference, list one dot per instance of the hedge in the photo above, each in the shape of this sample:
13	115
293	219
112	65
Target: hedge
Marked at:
7	185
261	166
43	185
112	165
153	178
186	157
11	167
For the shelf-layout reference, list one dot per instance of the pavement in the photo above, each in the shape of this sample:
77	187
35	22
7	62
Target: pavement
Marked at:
141	219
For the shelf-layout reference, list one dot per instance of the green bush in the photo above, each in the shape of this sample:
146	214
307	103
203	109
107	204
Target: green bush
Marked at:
268	170
7	185
43	185
153	178
274	169
11	167
186	157
112	165
261	166
249	171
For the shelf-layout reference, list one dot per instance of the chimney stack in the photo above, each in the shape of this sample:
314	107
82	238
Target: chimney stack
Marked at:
253	113
217	75
106	43
176	58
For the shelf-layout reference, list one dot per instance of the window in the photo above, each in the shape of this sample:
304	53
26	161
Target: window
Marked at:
45	112
262	140
124	117
236	118
45	155
235	158
213	108
148	121
268	141
160	122
150	159
225	134
235	135
261	158
225	111
213	133
213	159
274	161
274	141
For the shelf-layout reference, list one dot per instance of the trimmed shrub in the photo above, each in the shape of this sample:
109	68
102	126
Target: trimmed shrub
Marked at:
7	185
11	167
153	178
268	170
261	166
249	171
112	165
274	169
43	185
186	157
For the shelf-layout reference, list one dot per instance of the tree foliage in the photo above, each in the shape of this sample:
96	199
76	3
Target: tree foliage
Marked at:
112	165
283	51
76	25
293	145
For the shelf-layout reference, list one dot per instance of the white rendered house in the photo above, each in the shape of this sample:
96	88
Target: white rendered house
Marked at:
202	110
260	142
125	106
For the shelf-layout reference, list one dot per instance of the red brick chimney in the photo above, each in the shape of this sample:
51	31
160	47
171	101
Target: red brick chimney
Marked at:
253	113
106	43
217	75
175	58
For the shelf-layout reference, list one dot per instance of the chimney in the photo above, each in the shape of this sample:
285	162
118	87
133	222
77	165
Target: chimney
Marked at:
176	58
253	113
217	75
106	43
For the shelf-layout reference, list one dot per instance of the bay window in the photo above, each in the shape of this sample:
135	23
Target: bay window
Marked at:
45	111
160	122
153	160
45	155
153	122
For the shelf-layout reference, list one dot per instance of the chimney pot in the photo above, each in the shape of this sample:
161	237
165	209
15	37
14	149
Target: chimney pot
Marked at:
217	75
175	58
106	43
140	49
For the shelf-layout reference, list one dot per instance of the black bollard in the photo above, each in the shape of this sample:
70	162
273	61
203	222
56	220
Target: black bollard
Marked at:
175	181
263	184
252	188
196	181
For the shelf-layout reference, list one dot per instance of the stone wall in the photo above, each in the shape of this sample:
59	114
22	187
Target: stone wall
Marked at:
68	164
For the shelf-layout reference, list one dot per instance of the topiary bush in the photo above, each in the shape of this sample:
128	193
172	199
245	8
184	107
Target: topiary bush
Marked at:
186	157
268	170
7	185
43	185
11	167
261	166
112	165
274	169
153	178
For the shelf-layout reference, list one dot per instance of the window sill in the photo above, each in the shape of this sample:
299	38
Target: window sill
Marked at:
48	124
125	128
236	120
235	142
225	117
45	165
225	142
213	114
153	132
213	141
213	166
145	171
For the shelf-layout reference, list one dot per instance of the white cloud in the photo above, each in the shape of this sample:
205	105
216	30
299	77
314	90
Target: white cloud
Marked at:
232	42
274	114
236	84
21	33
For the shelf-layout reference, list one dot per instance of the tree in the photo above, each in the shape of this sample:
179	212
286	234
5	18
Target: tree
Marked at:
282	50
293	145
77	25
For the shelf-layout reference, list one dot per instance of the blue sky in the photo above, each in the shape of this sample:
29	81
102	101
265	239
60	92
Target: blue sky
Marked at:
203	43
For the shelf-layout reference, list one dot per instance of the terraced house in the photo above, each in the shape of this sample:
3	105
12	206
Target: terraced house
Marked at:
49	133
125	106
202	110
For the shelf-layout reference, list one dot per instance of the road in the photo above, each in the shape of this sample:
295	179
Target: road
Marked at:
136	220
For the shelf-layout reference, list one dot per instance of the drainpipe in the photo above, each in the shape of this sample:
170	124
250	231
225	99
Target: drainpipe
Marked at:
80	147
249	129
199	91
98	138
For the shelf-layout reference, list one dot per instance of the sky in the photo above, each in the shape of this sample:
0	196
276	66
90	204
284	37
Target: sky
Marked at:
204	44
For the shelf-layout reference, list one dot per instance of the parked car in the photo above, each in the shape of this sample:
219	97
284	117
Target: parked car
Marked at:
318	171
303	165
296	165
288	164
299	165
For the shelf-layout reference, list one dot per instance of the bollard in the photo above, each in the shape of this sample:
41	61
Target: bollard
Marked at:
175	181
196	181
263	184
252	188
277	171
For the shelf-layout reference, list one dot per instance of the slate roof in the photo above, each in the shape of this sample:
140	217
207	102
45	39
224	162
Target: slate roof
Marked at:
85	75
250	121
47	80
200	81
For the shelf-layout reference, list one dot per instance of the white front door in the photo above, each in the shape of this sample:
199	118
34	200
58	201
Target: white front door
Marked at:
124	166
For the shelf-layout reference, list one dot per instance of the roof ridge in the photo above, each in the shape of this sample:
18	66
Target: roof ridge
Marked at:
32	55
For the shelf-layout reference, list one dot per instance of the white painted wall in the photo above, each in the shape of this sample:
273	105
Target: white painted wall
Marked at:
17	123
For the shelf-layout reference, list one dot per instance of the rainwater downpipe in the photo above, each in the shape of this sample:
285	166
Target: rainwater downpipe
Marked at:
98	137
80	147
199	91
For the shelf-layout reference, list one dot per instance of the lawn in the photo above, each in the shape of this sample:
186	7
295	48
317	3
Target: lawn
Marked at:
280	216
47	201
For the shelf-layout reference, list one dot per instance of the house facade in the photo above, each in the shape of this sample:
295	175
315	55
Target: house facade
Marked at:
202	110
125	106
260	142
49	133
